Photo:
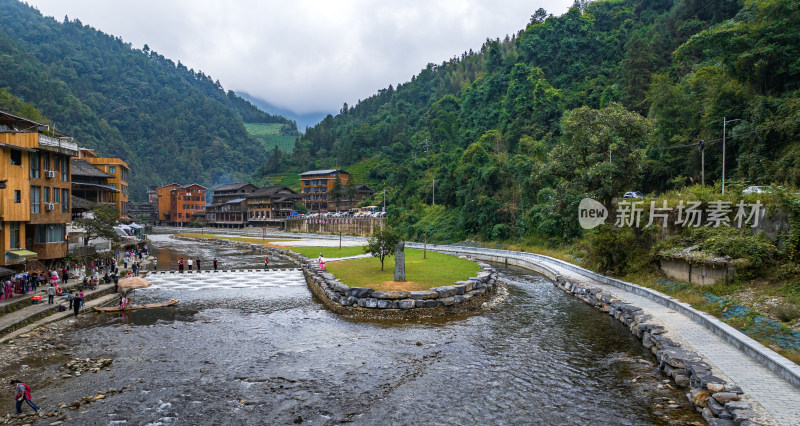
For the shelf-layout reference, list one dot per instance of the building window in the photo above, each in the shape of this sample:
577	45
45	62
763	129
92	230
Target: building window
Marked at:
65	168
53	233
36	199
16	157
112	170
35	171
65	203
46	161
17	196
46	194
13	235
56	195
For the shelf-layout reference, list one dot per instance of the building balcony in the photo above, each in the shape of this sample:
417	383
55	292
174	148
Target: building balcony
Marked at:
50	250
61	145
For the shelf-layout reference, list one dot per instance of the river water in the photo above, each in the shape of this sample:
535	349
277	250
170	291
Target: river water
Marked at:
275	355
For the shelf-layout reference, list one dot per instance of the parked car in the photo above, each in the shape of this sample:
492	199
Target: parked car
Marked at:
633	194
758	190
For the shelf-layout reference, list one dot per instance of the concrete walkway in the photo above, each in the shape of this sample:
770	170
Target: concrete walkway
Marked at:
12	321
779	400
59	316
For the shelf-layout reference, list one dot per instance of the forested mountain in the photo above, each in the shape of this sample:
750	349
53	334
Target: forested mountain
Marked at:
612	96
170	123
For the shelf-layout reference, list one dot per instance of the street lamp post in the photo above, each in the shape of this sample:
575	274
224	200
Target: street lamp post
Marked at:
724	125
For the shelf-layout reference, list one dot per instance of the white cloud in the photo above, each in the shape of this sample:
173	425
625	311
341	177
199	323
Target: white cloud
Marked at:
305	55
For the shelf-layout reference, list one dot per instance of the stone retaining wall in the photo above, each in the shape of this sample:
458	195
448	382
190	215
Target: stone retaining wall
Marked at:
366	303
718	401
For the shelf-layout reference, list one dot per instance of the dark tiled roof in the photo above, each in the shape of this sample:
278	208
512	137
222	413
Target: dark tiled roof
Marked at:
84	168
269	191
231	186
82	204
363	188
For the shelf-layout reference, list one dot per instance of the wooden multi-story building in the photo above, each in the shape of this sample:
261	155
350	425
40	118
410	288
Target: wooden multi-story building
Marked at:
315	186
118	169
35	201
185	201
91	183
271	205
229	205
163	202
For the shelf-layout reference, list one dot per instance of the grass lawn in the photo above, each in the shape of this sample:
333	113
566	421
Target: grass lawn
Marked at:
437	270
327	252
228	237
270	136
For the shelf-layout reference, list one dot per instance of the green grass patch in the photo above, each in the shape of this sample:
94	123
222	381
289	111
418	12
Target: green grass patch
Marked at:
327	252
292	180
270	136
421	274
360	172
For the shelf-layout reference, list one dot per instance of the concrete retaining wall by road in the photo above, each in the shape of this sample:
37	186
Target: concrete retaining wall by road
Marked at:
358	226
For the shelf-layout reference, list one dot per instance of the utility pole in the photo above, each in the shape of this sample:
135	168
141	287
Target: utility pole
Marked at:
724	124
384	199
702	148
434	193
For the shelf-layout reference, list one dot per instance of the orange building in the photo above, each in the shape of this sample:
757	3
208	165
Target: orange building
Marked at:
164	202
185	201
118	169
35	192
315	186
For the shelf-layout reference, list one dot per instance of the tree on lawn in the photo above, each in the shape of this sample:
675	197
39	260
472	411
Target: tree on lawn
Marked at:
101	225
382	243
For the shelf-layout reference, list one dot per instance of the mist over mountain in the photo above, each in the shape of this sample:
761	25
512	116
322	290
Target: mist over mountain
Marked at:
302	120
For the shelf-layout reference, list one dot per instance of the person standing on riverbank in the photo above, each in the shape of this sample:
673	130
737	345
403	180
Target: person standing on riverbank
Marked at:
23	395
197	263
180	265
215	264
189	262
155	263
266	263
76	303
51	294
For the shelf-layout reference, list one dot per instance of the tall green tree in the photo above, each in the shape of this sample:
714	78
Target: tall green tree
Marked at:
382	243
101	224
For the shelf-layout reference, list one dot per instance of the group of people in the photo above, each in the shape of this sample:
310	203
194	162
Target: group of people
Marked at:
194	263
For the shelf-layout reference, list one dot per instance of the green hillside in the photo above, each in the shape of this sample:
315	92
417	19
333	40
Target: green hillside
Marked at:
170	123
612	96
273	134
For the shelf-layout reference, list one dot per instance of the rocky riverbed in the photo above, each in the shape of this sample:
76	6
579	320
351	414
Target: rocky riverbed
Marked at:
275	355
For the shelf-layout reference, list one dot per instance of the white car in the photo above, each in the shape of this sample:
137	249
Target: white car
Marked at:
633	194
758	190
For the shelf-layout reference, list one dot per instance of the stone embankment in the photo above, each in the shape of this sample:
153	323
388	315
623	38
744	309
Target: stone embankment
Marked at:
366	303
718	402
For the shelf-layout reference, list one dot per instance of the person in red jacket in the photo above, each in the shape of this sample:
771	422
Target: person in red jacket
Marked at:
23	395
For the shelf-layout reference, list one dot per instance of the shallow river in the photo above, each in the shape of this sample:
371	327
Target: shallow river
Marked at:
274	355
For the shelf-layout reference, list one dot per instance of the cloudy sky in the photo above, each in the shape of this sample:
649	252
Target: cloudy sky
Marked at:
307	56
